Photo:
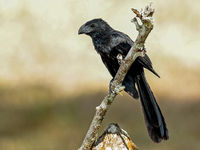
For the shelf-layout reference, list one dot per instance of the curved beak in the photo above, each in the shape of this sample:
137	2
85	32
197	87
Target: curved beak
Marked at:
81	29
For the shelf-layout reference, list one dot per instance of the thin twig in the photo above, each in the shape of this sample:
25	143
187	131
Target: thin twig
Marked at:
136	50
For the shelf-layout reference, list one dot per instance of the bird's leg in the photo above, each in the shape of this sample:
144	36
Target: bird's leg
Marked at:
110	85
119	58
119	90
140	47
144	49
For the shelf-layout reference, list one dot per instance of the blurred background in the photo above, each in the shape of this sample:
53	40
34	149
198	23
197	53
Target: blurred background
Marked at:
51	79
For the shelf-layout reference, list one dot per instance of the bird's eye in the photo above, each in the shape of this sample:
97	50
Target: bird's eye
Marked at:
92	25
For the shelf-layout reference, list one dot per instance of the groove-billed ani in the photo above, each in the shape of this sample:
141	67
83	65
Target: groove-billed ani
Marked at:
109	43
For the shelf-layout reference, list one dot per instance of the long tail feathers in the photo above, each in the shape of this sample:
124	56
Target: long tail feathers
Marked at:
129	84
153	117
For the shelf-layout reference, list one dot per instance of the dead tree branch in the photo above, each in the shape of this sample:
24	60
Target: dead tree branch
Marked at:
145	16
114	137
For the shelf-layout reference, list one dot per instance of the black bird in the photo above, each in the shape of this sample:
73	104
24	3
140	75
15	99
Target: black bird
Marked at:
109	43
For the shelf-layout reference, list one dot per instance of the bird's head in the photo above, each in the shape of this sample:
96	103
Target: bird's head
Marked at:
94	26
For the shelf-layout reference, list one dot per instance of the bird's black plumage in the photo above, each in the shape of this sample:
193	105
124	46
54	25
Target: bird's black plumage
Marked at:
109	43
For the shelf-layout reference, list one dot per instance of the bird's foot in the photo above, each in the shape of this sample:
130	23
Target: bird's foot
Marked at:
118	88
120	59
110	86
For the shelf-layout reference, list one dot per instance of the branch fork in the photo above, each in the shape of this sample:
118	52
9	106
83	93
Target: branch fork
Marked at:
145	16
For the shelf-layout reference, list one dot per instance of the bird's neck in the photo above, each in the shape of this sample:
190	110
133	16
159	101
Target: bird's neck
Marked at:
100	41
96	36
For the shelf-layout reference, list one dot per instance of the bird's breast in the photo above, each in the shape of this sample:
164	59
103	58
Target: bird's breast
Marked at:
103	49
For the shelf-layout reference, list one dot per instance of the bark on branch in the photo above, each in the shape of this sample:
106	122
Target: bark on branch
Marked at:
145	16
115	138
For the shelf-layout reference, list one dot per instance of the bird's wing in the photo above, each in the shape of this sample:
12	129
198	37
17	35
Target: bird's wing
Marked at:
146	63
121	43
111	64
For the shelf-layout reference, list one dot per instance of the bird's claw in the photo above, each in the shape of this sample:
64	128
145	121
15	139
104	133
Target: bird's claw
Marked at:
118	89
